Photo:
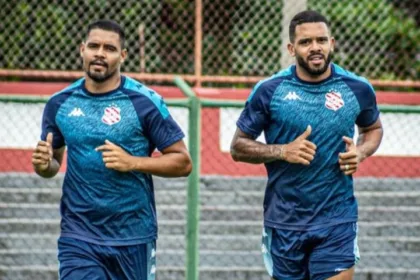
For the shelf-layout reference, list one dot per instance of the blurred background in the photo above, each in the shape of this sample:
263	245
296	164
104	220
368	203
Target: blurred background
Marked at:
210	224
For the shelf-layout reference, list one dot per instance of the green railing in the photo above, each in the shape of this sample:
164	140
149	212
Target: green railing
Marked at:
193	195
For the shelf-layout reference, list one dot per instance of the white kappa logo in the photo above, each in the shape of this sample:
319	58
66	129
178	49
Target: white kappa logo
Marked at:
292	96
76	112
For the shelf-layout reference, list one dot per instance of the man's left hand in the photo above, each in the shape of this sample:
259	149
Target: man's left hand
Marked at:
115	157
349	160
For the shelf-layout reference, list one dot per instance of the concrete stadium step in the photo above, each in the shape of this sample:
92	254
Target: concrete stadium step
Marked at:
361	184
28	242
223	243
25	225
30	195
369	198
25	180
209	258
215	213
248	228
29	272
176	258
247	213
211	242
229	233
229	228
259	273
255	198
206	273
238	197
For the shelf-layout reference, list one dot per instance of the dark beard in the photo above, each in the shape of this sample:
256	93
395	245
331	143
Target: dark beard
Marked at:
99	78
314	72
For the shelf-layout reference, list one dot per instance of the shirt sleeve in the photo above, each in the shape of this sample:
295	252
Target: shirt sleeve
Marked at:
163	132
159	126
369	111
49	123
256	114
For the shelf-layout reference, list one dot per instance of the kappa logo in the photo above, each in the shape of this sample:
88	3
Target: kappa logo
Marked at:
112	115
77	112
333	100
292	96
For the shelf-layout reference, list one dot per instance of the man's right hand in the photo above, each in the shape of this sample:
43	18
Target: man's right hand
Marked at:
300	150
43	154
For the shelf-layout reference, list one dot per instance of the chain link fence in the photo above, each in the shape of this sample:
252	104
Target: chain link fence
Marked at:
379	39
376	38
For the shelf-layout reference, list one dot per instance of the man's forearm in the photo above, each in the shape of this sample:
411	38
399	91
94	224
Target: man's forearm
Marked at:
166	165
51	171
368	142
251	151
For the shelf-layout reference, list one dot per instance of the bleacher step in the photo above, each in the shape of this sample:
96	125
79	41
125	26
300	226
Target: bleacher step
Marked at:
215	213
176	258
25	180
30	242
206	273
210	198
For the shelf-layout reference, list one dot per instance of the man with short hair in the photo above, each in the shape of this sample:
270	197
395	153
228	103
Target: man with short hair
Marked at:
308	113
111	124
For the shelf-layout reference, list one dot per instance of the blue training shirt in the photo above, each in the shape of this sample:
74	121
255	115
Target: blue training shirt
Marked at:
301	197
101	205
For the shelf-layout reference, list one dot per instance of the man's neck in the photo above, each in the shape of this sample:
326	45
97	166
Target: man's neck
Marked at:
305	76
104	87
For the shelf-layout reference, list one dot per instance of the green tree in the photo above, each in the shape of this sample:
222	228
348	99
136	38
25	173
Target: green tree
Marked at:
375	38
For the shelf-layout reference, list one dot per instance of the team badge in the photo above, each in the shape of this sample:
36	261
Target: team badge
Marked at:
112	115
333	100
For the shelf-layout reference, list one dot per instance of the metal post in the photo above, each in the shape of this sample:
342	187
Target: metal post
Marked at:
194	126
142	46
198	42
290	8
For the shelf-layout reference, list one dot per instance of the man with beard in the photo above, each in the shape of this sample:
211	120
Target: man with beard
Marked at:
110	124
308	113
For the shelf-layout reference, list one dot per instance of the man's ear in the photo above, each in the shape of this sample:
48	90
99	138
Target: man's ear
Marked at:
332	44
124	54
291	49
82	48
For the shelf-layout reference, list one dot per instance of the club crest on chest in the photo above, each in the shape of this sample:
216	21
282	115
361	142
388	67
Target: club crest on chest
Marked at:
112	115
333	100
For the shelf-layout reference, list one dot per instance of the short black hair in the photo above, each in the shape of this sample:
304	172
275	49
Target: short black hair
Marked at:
305	17
108	25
